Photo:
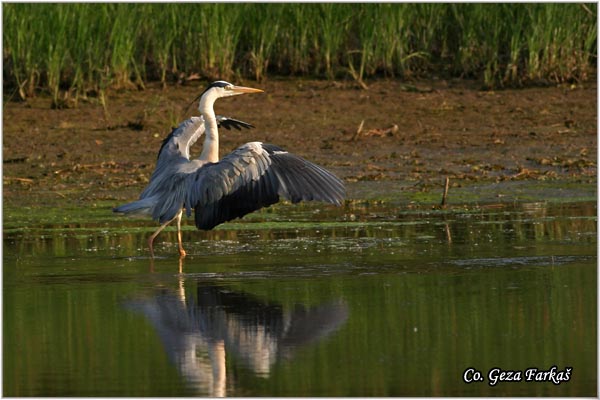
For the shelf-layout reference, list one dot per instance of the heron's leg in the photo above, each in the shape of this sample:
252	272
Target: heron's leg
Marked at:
155	234
182	252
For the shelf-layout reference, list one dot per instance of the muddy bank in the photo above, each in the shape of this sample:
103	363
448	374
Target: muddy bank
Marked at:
415	133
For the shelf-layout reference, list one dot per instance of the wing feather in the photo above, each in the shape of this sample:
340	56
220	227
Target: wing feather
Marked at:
253	176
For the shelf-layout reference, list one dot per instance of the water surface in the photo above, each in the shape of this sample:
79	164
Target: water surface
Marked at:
366	300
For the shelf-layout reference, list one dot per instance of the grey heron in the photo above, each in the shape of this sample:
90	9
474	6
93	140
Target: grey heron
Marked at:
253	176
175	149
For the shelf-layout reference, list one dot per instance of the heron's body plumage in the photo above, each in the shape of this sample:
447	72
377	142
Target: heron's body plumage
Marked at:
173	157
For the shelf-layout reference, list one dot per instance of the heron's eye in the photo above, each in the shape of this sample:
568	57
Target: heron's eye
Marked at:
230	87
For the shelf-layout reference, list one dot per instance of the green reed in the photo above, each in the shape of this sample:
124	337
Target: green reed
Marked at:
261	37
295	41
74	49
22	49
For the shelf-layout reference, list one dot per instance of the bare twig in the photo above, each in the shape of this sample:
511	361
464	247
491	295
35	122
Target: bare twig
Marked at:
14	178
445	195
391	131
359	130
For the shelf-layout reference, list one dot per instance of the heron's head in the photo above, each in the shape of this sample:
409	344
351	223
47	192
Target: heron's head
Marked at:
219	89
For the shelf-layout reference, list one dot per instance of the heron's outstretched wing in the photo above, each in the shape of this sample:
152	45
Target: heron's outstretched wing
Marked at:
253	176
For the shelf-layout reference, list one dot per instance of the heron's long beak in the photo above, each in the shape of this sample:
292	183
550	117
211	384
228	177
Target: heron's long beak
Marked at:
243	89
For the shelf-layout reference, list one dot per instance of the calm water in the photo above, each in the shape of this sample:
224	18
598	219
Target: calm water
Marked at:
361	301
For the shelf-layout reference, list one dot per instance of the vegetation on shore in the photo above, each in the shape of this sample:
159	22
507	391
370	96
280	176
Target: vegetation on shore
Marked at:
80	49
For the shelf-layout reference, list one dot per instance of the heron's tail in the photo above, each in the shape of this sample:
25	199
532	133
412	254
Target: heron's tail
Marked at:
141	207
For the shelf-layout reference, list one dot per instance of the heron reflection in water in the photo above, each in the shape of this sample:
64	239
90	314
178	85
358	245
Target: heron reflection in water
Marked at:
198	335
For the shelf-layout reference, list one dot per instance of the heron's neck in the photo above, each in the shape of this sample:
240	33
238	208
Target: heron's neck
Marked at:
210	150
